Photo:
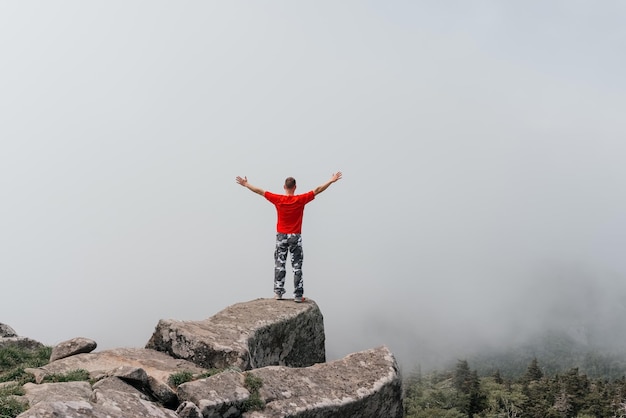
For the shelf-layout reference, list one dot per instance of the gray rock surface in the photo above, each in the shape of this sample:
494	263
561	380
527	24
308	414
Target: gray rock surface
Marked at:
110	397
131	363
125	404
9	338
102	403
71	347
220	395
52	392
6	331
120	385
366	384
188	410
248	335
20	342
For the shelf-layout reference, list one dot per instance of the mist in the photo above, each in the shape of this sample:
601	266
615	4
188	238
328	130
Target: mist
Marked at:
482	148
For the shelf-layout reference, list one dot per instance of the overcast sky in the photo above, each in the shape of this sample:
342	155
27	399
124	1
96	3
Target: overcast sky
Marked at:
482	145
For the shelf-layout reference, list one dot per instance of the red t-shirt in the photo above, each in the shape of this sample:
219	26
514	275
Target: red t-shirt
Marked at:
290	210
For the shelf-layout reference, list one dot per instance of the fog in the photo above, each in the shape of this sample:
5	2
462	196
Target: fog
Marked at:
482	146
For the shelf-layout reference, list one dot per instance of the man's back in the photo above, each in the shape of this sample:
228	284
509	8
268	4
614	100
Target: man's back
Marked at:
290	210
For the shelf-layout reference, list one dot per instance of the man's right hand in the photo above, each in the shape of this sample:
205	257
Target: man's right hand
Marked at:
242	180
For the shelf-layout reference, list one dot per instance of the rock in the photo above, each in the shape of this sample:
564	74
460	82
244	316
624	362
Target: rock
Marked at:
9	338
110	397
220	395
69	409
247	335
126	404
71	347
104	402
188	410
51	392
6	331
274	359
366	384
157	366
22	343
136	376
118	384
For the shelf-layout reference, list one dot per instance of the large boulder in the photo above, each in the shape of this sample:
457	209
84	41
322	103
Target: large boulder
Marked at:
220	395
366	384
146	368
109	398
72	347
53	392
248	335
6	331
9	338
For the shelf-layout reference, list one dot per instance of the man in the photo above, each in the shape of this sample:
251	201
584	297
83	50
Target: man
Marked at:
290	210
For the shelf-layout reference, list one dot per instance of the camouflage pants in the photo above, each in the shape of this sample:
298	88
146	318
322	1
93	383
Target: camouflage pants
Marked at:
288	243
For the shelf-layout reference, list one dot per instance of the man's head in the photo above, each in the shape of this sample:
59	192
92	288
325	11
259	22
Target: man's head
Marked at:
290	185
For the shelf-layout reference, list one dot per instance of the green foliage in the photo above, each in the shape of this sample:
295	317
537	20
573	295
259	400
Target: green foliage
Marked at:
11	390
185	376
497	377
10	407
503	399
10	357
213	372
471	400
464	394
13	357
433	395
179	378
16	374
555	352
253	383
13	362
77	375
462	376
254	402
533	372
439	413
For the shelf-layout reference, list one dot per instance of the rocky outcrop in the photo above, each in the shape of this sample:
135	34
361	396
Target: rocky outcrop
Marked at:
224	394
271	358
366	384
9	338
7	331
248	335
72	347
145	368
109	398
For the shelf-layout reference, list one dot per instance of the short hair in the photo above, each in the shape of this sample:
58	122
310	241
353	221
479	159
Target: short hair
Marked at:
290	183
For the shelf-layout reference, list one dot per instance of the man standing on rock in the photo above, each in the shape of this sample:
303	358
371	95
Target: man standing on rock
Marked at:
290	210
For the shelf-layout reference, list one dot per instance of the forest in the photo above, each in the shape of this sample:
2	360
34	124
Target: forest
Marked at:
560	379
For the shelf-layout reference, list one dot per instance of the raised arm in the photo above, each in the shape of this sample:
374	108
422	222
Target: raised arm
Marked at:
333	178
244	182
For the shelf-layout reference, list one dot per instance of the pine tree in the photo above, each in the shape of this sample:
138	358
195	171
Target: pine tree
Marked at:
471	398
533	372
497	378
462	376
